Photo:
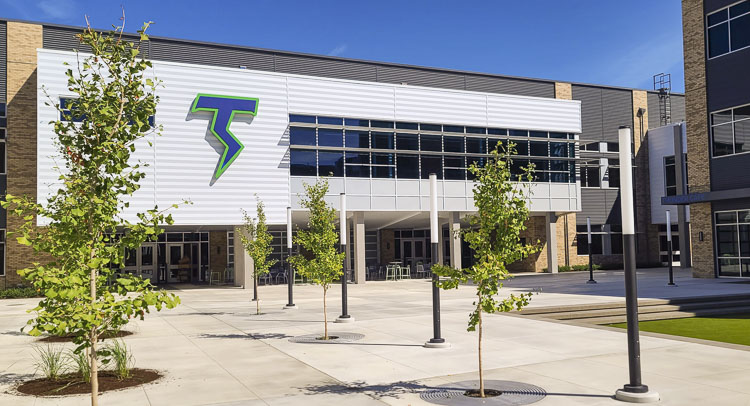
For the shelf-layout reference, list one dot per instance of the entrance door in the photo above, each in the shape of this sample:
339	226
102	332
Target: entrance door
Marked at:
147	262
174	254
413	251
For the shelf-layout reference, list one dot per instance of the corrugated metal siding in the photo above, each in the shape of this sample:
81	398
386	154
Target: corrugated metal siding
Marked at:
725	171
594	205
64	39
591	111
330	68
3	61
617	110
419	77
510	86
678	109
200	54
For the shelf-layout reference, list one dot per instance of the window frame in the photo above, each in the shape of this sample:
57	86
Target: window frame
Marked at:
731	124
728	21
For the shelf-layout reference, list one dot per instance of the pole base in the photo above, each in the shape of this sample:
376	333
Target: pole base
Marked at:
344	319
591	281
292	306
253	300
439	343
672	284
637	397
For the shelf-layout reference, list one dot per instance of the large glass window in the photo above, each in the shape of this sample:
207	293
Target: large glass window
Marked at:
407	166
590	175
407	142
453	144
431	142
432	164
330	163
382	140
328	137
728	29
613	172
301	136
476	145
302	162
733	243
730	131
383	165
357	139
670	176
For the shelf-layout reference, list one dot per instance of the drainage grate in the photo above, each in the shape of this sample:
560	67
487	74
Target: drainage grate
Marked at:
513	394
340	338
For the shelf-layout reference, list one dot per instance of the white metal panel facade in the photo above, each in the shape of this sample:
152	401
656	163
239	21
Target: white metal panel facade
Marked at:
660	145
182	161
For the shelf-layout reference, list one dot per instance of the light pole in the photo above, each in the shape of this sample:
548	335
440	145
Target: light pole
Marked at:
345	317
290	272
591	261
436	341
669	248
635	391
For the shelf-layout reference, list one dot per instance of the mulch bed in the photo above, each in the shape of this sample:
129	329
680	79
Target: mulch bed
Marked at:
72	384
65	339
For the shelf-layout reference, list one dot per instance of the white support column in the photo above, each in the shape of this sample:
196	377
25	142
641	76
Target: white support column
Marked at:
454	225
551	228
243	264
358	222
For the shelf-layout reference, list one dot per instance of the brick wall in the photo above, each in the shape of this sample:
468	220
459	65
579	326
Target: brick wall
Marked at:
387	246
23	40
647	234
696	118
217	247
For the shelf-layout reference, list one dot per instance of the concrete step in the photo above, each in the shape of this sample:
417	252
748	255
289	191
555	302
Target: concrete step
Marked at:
661	308
666	315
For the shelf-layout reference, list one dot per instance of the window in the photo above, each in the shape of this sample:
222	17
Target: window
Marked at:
613	172
730	131
330	120
476	145
2	252
613	147
407	142
592	146
430	142
407	166
670	176
302	162
728	30
330	138
455	168
301	136
383	165
297	118
330	163
538	148
590	175
230	249
357	164
432	164
453	144
382	141
733	242
582	239
357	139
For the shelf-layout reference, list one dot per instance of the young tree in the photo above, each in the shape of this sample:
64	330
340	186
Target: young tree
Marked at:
493	235
321	262
257	242
87	233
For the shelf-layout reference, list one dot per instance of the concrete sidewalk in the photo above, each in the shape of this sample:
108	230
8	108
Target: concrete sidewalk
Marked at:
215	351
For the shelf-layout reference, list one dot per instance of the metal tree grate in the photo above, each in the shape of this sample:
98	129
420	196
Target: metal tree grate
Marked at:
513	394
341	338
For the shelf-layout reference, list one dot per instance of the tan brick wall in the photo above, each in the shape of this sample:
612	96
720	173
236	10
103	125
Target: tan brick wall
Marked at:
696	118
647	233
23	40
387	246
217	248
563	91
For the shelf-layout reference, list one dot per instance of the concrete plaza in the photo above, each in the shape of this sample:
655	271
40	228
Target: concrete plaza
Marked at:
213	350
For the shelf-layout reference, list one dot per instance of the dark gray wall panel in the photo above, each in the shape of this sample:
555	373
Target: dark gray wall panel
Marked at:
730	172
678	108
591	111
617	110
202	54
64	39
332	68
727	80
614	213
732	204
509	86
713	5
3	61
677	102
420	77
594	205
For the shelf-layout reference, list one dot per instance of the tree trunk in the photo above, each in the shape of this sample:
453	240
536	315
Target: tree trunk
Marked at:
479	352
257	307
93	335
325	317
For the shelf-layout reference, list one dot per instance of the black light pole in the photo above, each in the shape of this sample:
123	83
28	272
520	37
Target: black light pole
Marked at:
436	341
669	247
290	272
634	391
591	260
345	317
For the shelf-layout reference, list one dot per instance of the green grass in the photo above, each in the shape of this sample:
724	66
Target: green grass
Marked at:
730	328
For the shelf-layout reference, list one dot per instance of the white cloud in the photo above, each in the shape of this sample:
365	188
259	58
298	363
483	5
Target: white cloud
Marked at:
338	50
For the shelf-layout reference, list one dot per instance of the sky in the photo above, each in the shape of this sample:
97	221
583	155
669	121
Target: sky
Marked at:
609	42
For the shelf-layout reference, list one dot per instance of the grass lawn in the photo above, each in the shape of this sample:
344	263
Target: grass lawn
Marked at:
730	328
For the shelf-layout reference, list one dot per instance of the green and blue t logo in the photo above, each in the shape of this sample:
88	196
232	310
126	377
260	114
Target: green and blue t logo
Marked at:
224	108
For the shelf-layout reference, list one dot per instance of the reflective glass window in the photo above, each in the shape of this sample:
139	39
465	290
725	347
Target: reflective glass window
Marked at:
357	171
723	143
357	158
727	239
522	147
381	124
558	149
538	148
497	131
330	163
518	133
740	32
476	130
407	141
301	136
476	145
718	40
382	140
453	144
328	137
431	127
431	142
302	162
432	164
453	129
331	120
407	166
356	122
739	9
297	118
538	134
357	139
407	126
717	17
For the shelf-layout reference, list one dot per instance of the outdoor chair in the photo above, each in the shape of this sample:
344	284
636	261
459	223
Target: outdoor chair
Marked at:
405	272
229	275
215	278
391	272
420	271
280	274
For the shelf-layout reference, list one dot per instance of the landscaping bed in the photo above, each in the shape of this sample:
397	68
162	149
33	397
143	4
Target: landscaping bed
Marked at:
71	384
65	339
730	328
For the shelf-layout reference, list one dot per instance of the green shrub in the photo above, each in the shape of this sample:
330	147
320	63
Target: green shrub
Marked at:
51	362
121	357
15	293
566	268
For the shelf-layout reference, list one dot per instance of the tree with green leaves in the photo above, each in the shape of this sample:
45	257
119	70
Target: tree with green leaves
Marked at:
87	232
256	240
320	260
493	235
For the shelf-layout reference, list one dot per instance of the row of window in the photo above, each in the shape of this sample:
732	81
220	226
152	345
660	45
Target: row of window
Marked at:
590	174
733	242
730	130
728	30
358	164
359	139
599	244
670	175
421	127
597	146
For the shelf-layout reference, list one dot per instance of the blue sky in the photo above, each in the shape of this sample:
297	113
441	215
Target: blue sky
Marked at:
612	42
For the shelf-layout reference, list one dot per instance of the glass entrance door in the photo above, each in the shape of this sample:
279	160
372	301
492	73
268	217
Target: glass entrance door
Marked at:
413	251
174	254
147	262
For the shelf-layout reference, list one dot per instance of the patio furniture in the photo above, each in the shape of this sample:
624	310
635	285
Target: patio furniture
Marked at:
405	272
420	271
215	278
228	275
391	272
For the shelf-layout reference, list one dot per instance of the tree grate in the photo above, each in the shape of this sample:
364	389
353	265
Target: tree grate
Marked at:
340	338
513	394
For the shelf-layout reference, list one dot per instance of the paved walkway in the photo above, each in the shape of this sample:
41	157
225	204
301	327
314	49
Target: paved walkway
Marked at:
215	351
